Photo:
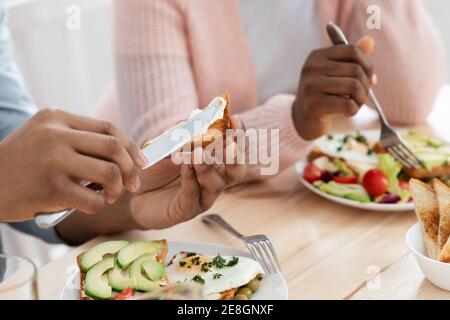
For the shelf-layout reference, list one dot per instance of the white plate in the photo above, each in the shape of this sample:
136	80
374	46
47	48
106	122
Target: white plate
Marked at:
273	287
438	273
300	165
371	135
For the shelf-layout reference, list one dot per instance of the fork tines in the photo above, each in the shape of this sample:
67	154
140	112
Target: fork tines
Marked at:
262	250
397	148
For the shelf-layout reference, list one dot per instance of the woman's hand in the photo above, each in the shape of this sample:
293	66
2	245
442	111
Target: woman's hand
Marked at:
44	162
170	194
334	81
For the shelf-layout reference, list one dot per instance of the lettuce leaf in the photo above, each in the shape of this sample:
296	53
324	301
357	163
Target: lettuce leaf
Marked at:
391	169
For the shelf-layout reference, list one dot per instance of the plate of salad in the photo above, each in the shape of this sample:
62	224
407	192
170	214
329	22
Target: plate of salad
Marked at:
353	169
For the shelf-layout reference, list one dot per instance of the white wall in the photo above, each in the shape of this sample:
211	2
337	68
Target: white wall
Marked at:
440	12
63	68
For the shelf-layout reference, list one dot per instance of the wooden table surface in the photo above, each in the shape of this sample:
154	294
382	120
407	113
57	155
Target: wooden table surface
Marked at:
327	251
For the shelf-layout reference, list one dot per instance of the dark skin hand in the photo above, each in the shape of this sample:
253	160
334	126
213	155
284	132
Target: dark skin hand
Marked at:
334	81
45	161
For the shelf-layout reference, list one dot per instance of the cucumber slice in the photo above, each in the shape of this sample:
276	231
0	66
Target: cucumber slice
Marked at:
120	280
135	250
96	254
96	283
153	269
142	283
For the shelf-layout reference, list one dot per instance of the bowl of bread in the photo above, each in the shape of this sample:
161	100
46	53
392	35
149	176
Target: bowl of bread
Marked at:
428	239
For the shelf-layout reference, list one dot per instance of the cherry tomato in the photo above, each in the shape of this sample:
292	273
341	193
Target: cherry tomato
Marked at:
311	173
375	182
404	184
346	180
125	294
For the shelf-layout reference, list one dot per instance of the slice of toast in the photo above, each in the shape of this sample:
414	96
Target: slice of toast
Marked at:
216	130
161	257
427	210
443	197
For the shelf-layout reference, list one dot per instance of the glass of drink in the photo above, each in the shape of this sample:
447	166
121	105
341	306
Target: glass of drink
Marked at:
17	278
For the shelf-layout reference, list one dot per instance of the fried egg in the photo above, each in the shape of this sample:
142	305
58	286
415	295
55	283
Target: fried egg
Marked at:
216	274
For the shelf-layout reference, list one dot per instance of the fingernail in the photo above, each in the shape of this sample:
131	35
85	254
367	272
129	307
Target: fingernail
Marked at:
374	79
142	158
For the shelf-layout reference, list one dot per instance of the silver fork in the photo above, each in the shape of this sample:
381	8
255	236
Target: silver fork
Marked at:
389	138
259	245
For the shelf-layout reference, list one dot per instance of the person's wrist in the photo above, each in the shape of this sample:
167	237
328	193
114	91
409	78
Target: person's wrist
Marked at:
5	204
297	118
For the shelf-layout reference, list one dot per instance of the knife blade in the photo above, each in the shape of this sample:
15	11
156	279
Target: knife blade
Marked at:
176	137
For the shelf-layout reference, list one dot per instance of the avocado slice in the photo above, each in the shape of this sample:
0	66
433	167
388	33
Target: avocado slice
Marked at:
134	250
153	269
120	280
96	283
142	283
432	160
349	191
96	254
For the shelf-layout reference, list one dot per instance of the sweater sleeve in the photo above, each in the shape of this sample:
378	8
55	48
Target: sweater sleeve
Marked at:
156	86
409	57
156	83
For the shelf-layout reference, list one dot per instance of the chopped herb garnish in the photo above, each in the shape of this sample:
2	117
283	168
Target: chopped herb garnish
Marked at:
217	276
339	149
189	267
360	138
205	267
369	152
232	262
346	137
196	261
198	279
182	263
330	137
218	261
191	254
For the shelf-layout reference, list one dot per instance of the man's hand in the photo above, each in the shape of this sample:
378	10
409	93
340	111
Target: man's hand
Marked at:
44	163
334	81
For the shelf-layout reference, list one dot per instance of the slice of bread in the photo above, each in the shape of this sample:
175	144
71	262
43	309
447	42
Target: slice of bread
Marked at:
161	257
443	197
216	130
427	210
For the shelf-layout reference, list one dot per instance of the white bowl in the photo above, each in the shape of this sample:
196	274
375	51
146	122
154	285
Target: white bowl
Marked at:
438	273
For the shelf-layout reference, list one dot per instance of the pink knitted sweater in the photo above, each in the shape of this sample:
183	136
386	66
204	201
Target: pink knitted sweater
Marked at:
175	55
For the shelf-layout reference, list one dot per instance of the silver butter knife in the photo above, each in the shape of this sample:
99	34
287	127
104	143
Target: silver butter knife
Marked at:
158	149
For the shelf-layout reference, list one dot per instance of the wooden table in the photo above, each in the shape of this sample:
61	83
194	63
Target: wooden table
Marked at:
327	251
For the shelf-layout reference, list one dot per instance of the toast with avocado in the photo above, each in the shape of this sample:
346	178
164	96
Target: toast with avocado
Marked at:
114	270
